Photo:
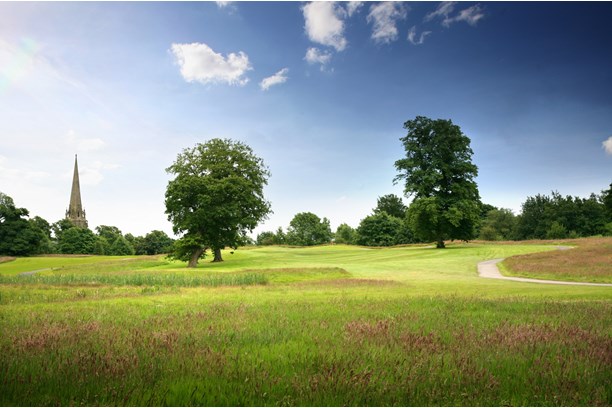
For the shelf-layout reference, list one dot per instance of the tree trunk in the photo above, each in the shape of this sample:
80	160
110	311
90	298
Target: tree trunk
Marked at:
218	257
440	243
193	261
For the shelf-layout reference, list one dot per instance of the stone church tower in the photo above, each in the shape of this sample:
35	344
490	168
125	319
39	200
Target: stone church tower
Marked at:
75	213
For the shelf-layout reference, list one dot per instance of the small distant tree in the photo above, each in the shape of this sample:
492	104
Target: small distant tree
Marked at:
392	205
499	224
439	173
345	234
307	229
19	236
606	198
156	242
215	198
379	230
280	238
121	246
556	231
266	238
108	232
77	241
101	247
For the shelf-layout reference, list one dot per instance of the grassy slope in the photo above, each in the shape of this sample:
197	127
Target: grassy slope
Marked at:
590	260
399	326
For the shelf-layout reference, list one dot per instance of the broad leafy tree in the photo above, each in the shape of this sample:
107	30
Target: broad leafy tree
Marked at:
392	205
215	198
438	172
157	242
379	229
345	234
121	246
307	229
19	236
499	224
77	241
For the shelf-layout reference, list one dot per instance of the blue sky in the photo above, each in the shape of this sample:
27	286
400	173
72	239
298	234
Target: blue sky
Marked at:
319	91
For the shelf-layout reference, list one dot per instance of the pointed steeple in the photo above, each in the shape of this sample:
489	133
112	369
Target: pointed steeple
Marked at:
76	213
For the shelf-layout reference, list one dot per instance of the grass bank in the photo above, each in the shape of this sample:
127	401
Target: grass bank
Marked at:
590	260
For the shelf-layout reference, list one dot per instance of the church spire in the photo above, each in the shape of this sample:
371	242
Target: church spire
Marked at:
76	213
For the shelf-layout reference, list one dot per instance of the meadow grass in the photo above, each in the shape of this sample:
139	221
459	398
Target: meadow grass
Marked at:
589	261
333	325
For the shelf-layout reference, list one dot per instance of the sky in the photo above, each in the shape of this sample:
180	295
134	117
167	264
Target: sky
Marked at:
320	91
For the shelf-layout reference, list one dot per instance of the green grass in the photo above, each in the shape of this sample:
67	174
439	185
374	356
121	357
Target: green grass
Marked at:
332	325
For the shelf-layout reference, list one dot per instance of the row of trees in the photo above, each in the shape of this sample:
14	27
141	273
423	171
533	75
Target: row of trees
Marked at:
551	217
23	236
542	217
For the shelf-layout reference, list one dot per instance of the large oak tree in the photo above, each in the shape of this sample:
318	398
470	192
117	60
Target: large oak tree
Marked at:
215	198
438	172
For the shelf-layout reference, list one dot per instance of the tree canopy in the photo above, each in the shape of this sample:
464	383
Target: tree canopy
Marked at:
307	229
216	197
392	205
438	172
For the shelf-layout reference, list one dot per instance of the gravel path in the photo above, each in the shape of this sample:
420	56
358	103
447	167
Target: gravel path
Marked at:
33	272
488	269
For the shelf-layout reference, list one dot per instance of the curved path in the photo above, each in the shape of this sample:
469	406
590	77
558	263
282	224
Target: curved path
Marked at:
488	269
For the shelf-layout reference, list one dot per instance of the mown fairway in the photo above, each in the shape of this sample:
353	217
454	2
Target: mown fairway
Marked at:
330	325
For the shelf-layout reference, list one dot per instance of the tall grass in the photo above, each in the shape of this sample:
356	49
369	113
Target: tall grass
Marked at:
235	279
332	326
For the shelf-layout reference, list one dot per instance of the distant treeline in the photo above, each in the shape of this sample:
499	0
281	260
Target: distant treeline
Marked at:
23	236
542	217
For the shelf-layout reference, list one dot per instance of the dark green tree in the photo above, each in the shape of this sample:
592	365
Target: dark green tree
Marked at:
345	234
121	246
157	242
77	241
498	225
392	205
379	229
216	197
606	198
266	238
438	172
307	229
108	232
19	236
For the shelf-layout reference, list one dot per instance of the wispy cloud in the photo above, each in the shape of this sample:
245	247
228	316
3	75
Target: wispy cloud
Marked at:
199	63
470	15
384	17
324	24
82	144
443	10
353	7
279	78
607	145
316	56
417	40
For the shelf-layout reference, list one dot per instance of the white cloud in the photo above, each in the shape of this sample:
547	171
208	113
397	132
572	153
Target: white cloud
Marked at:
276	79
316	56
384	17
20	175
324	24
199	63
470	15
222	4
82	144
443	10
607	145
353	7
412	36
